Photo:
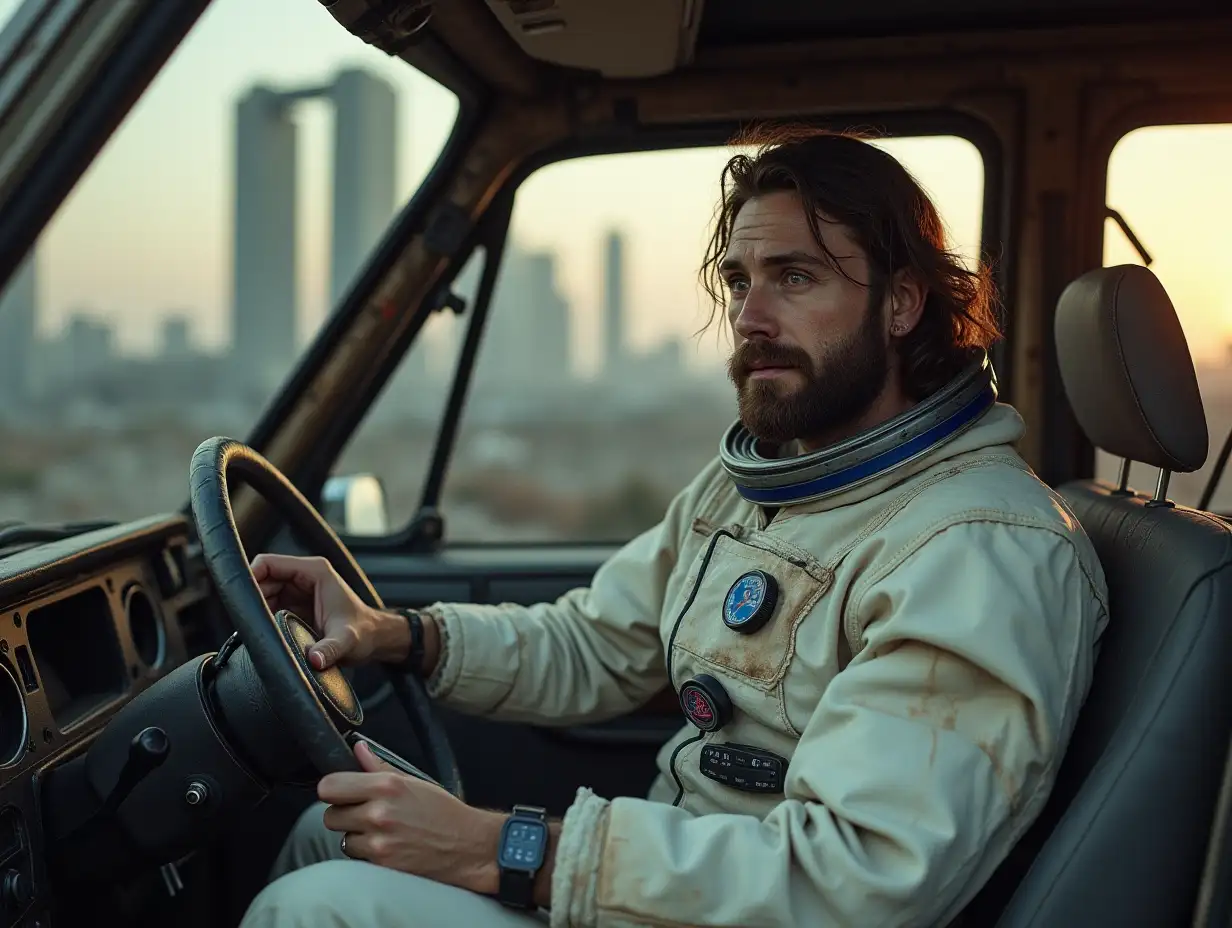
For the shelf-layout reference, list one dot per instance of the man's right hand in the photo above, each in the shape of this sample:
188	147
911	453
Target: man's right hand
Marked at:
350	631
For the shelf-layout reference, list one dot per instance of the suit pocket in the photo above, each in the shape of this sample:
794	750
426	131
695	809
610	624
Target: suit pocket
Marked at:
760	658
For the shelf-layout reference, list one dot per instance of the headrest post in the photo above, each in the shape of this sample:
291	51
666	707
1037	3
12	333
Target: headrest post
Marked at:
1123	480
1161	489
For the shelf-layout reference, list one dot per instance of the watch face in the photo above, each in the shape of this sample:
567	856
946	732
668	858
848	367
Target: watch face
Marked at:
522	844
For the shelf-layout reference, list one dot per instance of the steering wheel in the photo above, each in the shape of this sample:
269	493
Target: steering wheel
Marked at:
318	707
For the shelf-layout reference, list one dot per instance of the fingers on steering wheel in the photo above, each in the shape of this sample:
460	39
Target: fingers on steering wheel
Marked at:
302	572
337	646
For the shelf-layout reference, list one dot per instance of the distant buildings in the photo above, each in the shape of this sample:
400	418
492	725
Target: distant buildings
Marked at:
18	314
265	240
176	338
526	366
614	304
265	296
88	346
526	343
365	172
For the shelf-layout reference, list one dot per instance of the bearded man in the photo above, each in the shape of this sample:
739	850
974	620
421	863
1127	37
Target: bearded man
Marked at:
880	623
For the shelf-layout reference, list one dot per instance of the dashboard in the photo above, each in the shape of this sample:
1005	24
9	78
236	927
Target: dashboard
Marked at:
86	623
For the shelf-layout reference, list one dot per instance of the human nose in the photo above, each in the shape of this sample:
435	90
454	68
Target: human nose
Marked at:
754	316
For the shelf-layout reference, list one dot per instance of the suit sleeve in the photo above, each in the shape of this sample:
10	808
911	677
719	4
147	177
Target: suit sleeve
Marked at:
591	655
923	761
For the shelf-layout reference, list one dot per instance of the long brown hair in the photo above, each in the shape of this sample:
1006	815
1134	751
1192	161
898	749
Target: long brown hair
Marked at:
840	175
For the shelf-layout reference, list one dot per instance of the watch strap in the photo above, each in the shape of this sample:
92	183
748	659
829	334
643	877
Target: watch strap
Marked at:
413	663
517	887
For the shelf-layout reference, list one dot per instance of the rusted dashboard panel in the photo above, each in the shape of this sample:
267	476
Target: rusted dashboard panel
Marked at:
85	624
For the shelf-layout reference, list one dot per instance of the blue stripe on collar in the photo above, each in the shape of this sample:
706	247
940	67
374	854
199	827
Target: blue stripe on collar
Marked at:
866	470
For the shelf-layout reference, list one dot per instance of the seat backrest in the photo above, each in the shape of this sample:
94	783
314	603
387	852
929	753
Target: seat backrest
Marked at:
1124	835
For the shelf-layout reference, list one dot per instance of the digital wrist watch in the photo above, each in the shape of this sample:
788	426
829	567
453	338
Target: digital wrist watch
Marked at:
520	855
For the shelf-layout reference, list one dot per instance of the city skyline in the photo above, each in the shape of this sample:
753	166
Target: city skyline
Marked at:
146	231
148	227
527	347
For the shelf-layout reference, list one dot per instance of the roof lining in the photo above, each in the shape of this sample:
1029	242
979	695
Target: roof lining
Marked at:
727	23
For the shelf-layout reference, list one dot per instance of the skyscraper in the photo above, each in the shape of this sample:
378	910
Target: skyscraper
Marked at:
176	337
18	314
265	294
265	298
526	345
613	304
365	172
89	347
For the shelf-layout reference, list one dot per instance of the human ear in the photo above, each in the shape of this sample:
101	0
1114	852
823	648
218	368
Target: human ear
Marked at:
907	296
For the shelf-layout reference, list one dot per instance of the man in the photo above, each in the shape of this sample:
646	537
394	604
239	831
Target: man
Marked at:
881	624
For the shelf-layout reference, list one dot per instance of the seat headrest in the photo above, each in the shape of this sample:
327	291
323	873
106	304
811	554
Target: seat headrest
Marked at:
1127	369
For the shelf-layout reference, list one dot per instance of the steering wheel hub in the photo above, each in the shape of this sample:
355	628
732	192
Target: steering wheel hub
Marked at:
331	685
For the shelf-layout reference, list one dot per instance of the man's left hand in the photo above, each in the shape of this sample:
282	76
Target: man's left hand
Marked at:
407	824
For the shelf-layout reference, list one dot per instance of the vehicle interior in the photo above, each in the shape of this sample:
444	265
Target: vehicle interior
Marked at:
466	380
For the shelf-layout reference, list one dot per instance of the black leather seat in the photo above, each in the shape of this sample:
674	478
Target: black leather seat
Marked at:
1123	839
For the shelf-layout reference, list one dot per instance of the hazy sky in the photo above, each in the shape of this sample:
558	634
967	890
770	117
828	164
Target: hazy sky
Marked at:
147	231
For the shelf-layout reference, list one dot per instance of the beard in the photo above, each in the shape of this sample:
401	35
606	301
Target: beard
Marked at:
838	388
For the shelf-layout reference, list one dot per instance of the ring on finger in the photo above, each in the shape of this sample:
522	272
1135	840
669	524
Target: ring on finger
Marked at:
342	845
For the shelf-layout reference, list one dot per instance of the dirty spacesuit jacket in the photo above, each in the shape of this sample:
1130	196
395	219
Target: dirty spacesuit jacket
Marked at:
929	651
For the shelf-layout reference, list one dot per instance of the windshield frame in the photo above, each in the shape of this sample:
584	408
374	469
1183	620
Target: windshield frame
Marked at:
996	215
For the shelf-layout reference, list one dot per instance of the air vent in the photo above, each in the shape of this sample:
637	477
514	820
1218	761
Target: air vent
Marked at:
144	624
14	723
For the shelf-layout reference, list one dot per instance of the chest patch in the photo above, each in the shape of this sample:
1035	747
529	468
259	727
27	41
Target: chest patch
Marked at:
750	602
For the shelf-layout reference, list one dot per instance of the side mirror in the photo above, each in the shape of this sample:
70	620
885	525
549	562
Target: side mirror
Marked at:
354	504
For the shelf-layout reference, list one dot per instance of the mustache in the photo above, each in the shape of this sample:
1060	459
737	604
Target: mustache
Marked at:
766	354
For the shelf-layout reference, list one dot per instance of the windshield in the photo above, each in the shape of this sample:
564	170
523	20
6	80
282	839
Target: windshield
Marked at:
179	282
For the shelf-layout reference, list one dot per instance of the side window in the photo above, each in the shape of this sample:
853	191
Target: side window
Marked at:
182	278
599	391
395	441
1172	186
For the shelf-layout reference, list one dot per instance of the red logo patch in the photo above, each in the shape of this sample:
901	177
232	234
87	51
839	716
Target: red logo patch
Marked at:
698	707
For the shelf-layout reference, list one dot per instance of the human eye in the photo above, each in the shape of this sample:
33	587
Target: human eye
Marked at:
736	284
796	278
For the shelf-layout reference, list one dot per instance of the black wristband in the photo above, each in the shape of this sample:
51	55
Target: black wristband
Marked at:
521	854
414	661
517	889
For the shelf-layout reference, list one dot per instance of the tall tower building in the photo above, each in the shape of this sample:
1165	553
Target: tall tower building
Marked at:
365	172
527	341
176	338
547	320
265	297
18	314
613	303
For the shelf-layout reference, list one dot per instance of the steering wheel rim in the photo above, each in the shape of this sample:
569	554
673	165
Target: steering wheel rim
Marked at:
281	669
